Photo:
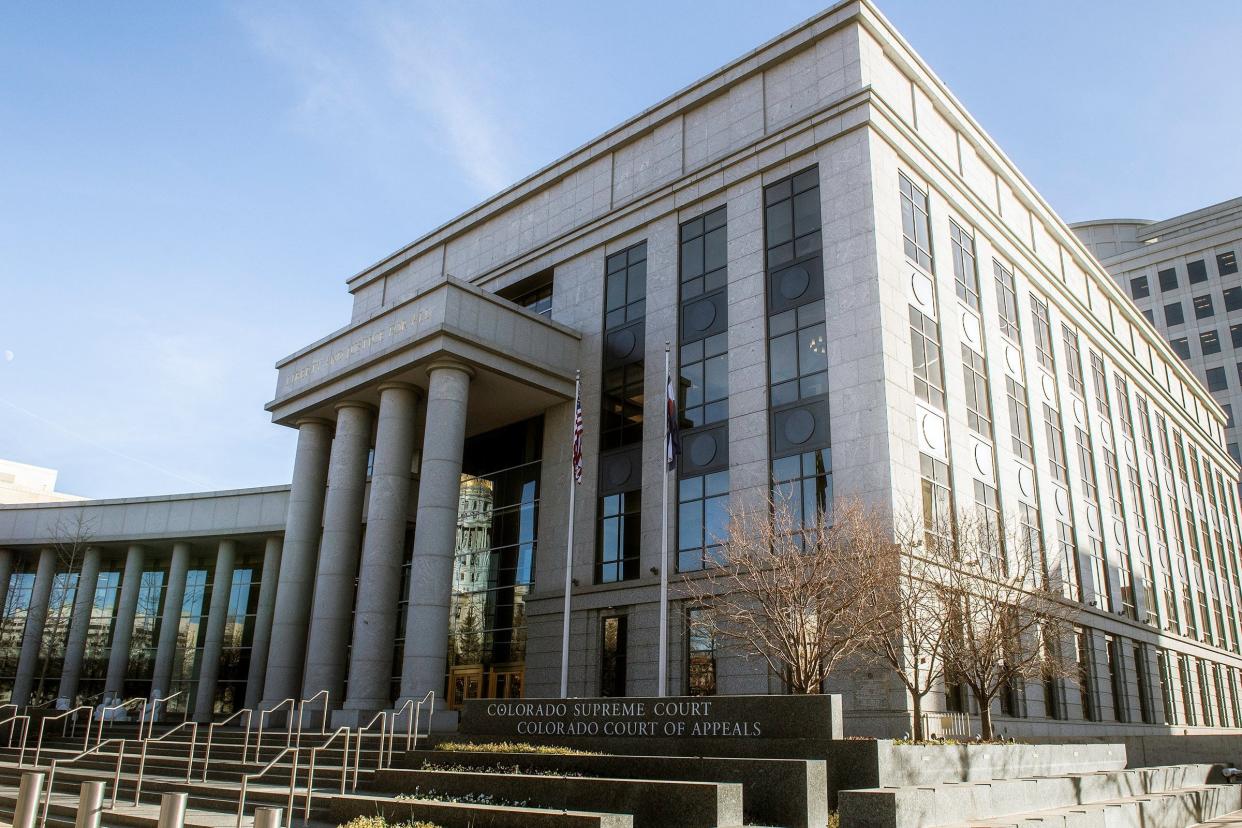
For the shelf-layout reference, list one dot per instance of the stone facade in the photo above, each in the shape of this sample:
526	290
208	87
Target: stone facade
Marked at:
439	377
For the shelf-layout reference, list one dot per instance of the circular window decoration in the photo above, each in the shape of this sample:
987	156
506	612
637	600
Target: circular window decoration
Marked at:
703	449
1118	533
933	433
794	282
701	315
922	288
1026	481
1013	360
1061	498
622	343
619	469
970	328
799	426
1049	388
1080	412
1093	517
1130	452
983	460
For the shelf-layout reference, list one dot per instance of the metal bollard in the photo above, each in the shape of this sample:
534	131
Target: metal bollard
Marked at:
268	817
90	805
172	810
27	811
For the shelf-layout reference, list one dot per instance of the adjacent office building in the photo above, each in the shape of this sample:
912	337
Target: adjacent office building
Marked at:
864	298
1182	272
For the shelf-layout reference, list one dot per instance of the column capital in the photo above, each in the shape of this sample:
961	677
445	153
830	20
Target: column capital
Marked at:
365	406
397	385
301	421
450	363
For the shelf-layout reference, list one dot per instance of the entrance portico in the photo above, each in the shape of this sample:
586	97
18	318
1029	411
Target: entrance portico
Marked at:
451	361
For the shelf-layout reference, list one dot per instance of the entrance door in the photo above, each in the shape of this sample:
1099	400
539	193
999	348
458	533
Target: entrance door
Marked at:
464	683
505	684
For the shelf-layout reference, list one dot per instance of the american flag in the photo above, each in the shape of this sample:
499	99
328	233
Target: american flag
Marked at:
578	436
672	440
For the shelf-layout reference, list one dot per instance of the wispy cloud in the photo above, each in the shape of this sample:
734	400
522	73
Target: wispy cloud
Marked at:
389	82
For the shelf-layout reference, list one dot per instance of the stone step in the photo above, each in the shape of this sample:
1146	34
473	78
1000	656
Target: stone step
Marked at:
1170	809
954	802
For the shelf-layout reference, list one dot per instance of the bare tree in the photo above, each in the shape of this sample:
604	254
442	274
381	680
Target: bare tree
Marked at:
801	594
1006	622
910	638
70	539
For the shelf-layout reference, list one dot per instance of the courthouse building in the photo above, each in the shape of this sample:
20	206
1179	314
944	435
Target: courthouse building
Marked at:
864	297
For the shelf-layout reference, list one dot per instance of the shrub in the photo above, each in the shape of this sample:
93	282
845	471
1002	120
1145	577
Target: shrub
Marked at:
379	822
514	747
428	765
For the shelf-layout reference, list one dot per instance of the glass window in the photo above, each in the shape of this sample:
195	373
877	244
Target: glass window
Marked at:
1209	343
1043	332
1203	306
803	482
1019	420
1098	564
1181	347
978	400
915	228
1235	335
965	271
797	353
618	542
1055	435
1082	654
1216	379
701	653
1149	315
1168	280
704	254
621	423
1006	300
612	655
925	351
705	380
1086	465
702	519
625	291
1233	298
791	217
1100	382
937	493
1173	314
1226	263
1073	359
1196	271
538	300
1165	669
1139	288
1116	681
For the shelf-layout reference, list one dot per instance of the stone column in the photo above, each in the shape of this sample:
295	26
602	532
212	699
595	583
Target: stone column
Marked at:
36	619
431	574
383	552
287	651
338	553
263	621
170	621
123	629
213	642
6	575
79	625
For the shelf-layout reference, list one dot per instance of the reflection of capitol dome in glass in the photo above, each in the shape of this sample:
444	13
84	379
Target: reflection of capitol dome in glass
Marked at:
474	534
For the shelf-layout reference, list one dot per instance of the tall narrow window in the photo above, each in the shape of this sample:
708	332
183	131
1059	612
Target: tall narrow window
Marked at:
702	519
1165	668
1073	359
914	224
1100	380
797	347
978	399
1086	465
925	352
1116	682
1055	435
1086	677
612	655
1019	420
1043	332
965	271
701	653
1006	300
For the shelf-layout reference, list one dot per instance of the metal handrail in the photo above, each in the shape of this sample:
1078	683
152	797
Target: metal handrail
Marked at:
51	774
211	732
411	725
142	717
293	778
12	722
323	726
155	711
310	776
66	714
189	762
382	718
258	744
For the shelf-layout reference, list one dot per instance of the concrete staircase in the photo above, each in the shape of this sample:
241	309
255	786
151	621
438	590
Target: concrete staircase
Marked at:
1171	796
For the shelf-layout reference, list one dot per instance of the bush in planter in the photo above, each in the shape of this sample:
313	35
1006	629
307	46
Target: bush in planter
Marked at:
380	822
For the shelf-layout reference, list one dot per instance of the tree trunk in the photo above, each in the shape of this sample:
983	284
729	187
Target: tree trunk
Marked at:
917	706
985	718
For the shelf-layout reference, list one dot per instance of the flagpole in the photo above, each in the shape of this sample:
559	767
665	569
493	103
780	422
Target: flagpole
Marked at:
663	673
569	542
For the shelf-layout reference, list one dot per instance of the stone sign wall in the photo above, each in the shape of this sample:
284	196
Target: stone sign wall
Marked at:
718	725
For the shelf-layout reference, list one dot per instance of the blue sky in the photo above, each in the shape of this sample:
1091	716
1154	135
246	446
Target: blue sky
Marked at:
184	187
